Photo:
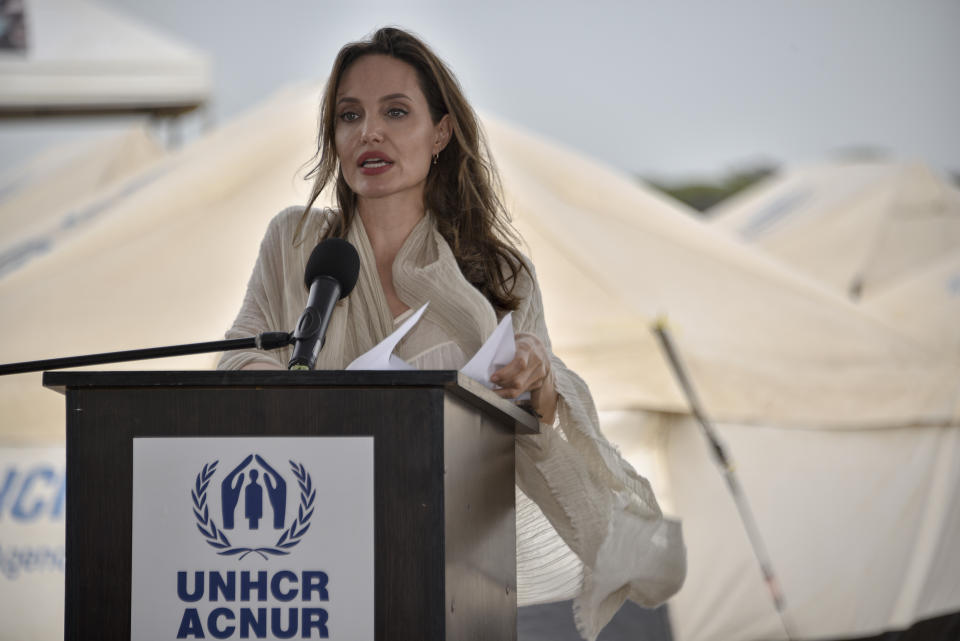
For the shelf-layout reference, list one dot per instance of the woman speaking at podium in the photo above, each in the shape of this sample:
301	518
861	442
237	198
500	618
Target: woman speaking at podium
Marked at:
418	197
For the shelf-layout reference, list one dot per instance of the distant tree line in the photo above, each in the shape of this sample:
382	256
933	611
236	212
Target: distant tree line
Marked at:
704	194
701	195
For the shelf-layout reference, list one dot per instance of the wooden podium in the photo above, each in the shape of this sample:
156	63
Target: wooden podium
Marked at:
444	528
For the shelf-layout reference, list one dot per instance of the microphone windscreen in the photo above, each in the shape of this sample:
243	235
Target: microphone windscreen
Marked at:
336	258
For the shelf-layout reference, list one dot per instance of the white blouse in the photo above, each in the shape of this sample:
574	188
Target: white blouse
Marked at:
427	346
547	569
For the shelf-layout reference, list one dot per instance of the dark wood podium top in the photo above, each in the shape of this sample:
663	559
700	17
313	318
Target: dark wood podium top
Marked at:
452	381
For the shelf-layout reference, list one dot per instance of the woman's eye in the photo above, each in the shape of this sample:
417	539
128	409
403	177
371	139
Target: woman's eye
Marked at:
349	116
396	112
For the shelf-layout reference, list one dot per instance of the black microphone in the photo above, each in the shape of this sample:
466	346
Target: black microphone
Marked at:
331	274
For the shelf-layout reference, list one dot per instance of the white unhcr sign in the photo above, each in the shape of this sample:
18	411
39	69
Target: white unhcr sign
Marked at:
252	538
32	506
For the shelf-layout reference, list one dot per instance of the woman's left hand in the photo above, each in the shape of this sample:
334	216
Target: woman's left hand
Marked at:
529	371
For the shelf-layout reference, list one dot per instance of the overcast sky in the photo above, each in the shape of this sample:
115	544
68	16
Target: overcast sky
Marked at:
654	87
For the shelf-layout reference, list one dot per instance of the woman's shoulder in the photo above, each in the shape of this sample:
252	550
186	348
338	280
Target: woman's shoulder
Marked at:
517	269
520	280
293	223
293	216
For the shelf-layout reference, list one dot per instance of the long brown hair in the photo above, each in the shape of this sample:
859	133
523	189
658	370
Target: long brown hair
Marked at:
462	189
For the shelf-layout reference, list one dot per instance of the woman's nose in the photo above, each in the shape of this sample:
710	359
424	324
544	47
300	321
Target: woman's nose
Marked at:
371	132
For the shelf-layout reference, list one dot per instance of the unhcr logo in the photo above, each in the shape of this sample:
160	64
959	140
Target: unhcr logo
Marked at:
252	538
253	508
252	520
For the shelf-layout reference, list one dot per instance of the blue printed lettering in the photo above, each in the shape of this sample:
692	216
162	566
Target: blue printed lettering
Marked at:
215	630
190	625
315	619
246	585
258	623
197	593
278	593
227	587
311	622
57	511
15	561
315	581
19	510
246	623
275	627
7	488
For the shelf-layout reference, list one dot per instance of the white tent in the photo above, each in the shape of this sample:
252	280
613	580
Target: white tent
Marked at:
763	342
165	264
925	304
850	562
856	227
128	264
643	257
781	362
82	57
57	191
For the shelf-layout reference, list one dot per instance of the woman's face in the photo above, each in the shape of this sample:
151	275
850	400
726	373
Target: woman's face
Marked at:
384	135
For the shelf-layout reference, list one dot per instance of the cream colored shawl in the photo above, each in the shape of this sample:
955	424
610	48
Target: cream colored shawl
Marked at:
601	508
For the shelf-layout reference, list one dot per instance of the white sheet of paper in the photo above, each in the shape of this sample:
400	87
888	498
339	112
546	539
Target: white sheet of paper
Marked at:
497	351
381	357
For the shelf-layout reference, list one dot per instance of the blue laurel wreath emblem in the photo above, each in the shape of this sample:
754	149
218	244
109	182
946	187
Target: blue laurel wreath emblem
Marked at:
216	538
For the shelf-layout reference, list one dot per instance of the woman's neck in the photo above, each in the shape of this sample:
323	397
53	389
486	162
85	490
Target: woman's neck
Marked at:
387	224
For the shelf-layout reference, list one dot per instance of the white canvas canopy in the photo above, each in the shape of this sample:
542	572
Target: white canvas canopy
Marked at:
857	227
925	304
845	430
82	57
763	343
165	264
862	524
55	192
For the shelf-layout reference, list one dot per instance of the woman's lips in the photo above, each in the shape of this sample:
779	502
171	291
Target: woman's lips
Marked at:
372	163
374	168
